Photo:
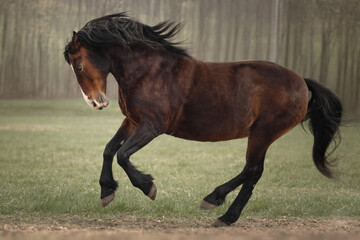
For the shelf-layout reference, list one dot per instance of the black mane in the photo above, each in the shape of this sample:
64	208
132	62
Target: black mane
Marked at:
119	29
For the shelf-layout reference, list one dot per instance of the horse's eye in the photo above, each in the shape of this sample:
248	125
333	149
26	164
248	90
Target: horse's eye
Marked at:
78	68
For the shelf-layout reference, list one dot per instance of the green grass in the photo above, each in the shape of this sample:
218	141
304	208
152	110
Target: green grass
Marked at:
51	157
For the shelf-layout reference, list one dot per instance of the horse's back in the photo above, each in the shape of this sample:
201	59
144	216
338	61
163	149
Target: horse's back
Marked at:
226	99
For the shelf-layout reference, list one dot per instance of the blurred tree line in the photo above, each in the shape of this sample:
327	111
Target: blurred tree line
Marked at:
315	38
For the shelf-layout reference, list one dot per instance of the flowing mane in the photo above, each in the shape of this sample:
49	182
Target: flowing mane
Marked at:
119	29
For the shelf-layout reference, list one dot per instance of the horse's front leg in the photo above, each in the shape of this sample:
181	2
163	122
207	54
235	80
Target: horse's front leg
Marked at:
107	182
143	134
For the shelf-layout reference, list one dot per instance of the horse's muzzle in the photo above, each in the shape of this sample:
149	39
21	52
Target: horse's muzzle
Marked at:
102	102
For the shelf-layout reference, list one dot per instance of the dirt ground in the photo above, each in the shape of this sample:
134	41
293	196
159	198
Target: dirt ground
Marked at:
130	228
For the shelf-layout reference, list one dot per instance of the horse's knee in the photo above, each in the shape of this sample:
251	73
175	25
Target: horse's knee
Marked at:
108	152
121	158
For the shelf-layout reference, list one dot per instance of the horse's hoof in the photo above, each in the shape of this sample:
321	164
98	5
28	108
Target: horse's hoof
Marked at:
152	193
206	205
219	223
106	200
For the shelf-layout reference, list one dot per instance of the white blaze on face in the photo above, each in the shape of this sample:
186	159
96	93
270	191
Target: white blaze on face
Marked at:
87	99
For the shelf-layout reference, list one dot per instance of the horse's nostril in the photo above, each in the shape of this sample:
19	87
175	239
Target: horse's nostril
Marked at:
103	99
94	104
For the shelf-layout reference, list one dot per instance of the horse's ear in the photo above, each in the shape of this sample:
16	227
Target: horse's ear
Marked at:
75	41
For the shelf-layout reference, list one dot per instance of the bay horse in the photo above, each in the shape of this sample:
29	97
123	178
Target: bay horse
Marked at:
163	90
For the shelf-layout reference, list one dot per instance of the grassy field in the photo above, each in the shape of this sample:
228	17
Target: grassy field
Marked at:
51	157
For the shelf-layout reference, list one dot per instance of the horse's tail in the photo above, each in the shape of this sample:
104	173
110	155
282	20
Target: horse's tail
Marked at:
324	112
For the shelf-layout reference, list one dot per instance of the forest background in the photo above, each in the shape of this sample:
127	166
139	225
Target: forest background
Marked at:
315	38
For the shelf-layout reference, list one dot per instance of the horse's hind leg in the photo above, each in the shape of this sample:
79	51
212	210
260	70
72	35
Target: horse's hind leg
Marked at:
253	174
254	156
217	197
258	143
260	138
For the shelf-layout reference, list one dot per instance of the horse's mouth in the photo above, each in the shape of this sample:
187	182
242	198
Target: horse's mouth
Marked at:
102	102
99	106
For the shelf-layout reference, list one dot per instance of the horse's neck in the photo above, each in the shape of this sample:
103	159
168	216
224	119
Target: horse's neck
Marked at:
131	67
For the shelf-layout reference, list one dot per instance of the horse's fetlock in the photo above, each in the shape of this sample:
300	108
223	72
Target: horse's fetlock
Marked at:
108	183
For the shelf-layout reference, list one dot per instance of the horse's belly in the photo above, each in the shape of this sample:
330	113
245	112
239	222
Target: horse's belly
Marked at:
211	129
208	136
214	119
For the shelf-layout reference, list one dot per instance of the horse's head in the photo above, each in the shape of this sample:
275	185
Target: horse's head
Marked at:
91	70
